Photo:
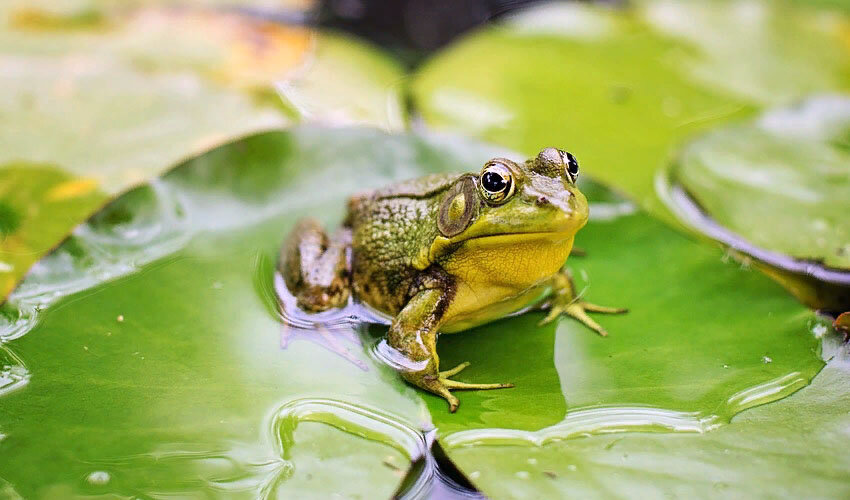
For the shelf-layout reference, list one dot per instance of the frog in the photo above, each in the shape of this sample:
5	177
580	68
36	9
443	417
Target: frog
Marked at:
445	253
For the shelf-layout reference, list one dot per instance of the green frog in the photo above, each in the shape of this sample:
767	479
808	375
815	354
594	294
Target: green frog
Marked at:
445	253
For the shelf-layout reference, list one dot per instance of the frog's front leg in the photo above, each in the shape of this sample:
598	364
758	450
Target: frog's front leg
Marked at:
315	267
413	334
564	300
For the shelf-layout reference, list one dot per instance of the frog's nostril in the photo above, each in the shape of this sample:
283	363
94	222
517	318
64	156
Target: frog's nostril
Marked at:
542	200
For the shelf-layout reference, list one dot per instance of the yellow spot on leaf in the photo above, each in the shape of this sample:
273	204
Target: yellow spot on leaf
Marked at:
71	189
253	52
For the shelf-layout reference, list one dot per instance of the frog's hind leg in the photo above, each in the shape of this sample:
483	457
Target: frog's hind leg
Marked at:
413	337
315	266
566	301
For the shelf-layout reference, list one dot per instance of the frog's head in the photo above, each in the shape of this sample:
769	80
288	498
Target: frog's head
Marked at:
533	209
509	198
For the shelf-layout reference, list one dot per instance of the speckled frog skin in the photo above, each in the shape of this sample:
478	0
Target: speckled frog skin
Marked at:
448	252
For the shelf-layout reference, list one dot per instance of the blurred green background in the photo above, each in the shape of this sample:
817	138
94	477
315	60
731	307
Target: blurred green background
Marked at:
154	154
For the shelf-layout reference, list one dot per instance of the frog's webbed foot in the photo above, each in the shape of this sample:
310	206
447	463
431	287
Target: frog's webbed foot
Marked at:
565	301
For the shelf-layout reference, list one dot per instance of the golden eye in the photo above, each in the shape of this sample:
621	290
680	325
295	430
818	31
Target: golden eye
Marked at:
496	183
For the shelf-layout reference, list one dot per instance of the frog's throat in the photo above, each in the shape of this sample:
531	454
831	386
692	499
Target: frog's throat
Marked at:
440	246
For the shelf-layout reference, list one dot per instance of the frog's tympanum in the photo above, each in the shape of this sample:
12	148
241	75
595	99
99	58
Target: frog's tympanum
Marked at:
445	253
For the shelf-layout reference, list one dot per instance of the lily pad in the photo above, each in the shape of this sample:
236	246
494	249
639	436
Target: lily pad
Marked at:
777	188
113	97
622	87
795	448
146	355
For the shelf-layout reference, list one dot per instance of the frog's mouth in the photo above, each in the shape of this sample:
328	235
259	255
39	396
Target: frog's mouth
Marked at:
508	239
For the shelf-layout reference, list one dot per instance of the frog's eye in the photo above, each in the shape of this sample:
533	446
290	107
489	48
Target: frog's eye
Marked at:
496	183
570	165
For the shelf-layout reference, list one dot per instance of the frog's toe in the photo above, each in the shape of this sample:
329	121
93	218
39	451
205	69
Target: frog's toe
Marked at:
450	398
463	386
577	311
603	309
554	313
454	371
453	401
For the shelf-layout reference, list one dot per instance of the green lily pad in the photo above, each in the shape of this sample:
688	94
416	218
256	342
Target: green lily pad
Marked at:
146	355
795	448
114	96
775	188
621	87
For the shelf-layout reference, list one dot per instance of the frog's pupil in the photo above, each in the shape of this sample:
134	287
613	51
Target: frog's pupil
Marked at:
493	182
572	164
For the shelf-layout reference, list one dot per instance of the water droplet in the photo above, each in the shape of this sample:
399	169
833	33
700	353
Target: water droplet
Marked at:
725	366
532	461
120	318
522	474
819	330
766	359
474	475
572	468
98	477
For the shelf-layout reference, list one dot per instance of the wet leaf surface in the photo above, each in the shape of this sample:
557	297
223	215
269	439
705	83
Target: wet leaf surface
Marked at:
145	356
790	449
780	183
622	87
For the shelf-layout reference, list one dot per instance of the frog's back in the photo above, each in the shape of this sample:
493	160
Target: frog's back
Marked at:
422	187
390	227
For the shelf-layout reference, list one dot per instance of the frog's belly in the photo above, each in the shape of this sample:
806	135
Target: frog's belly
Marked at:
499	303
